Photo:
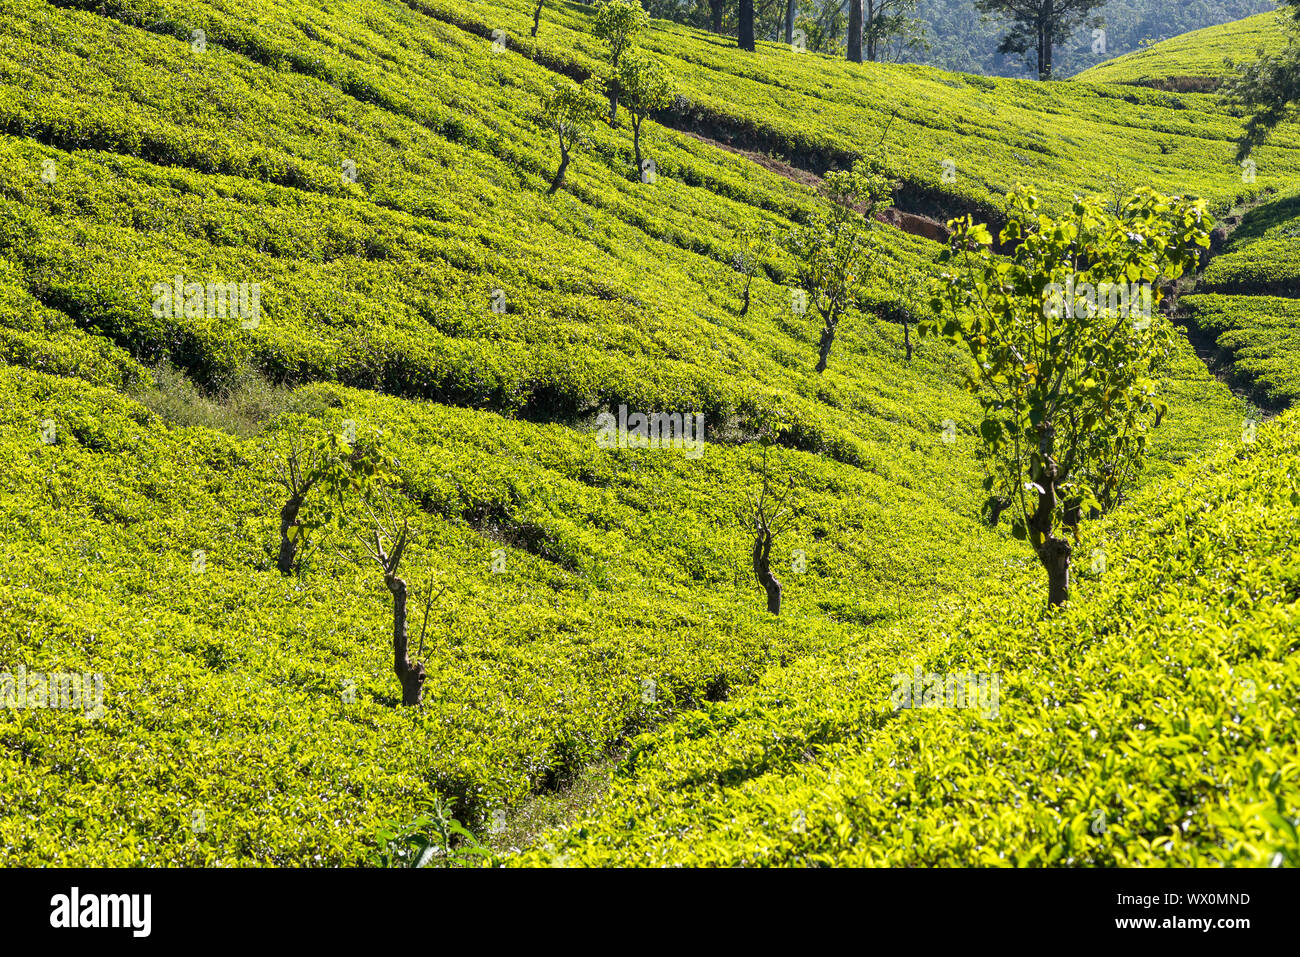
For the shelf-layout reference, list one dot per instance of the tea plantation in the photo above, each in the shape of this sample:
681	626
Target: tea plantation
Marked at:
1150	725
1061	138
1248	301
378	170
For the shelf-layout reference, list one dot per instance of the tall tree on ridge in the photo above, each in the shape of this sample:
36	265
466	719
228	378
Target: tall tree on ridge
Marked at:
745	36
716	8
1270	88
854	43
617	22
1040	25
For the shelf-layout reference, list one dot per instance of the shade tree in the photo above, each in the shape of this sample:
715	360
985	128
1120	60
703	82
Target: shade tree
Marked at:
1067	350
569	111
832	249
646	87
618	22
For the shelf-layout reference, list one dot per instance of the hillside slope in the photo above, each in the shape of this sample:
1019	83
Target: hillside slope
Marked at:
377	170
1141	727
818	111
1248	302
1194	61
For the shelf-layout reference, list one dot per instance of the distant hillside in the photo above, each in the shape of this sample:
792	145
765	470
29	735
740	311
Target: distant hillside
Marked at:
961	40
1194	61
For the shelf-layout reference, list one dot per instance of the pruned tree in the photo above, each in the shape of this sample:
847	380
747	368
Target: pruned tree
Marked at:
831	250
303	466
385	536
1040	25
1067	349
1269	88
769	513
909	295
569	111
646	86
753	240
353	489
617	22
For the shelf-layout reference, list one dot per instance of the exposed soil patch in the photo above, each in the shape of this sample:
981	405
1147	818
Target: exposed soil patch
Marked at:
770	163
798	163
1183	84
915	223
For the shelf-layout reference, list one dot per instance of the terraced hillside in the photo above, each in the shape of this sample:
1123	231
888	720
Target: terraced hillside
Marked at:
1248	302
378	171
815	112
1193	61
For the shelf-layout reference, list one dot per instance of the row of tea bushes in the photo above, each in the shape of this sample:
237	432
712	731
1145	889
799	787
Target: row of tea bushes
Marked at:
1248	302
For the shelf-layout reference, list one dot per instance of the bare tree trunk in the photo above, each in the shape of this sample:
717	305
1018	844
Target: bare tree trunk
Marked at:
288	546
1055	556
907	339
789	22
1053	551
827	340
854	42
745	38
744	306
613	94
869	28
1045	18
410	675
537	16
715	13
636	146
559	174
763	568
